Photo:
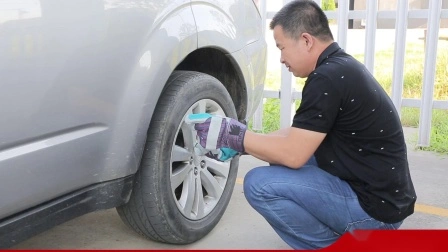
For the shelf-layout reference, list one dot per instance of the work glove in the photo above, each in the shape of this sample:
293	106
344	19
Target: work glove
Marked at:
222	136
222	154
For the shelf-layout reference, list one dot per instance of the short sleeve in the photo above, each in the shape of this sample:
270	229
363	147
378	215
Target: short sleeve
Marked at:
320	105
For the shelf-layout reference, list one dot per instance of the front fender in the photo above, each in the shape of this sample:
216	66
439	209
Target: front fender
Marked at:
171	39
230	24
235	27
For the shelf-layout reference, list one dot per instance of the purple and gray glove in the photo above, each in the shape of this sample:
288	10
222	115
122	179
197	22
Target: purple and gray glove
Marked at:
216	132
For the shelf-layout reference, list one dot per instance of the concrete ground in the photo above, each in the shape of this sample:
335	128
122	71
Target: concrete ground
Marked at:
241	227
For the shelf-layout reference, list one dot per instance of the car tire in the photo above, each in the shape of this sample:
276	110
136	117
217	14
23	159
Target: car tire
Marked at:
178	196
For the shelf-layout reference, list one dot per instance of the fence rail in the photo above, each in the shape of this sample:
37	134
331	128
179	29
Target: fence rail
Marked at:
433	15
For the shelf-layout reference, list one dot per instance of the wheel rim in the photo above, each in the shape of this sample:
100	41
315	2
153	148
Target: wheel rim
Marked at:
197	182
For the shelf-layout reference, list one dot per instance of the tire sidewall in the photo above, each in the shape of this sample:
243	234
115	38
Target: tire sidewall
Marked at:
200	86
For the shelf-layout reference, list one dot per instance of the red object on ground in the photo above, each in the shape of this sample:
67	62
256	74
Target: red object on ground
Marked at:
392	240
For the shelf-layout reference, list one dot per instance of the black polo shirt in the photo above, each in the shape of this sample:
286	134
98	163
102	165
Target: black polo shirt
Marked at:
364	144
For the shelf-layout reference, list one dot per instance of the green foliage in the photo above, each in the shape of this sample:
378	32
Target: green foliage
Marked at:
328	5
271	115
410	117
439	131
412	88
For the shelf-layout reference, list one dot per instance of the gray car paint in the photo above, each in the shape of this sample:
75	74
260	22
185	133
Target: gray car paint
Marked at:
80	79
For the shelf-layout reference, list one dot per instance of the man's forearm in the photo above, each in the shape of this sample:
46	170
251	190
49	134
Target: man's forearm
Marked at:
291	147
270	148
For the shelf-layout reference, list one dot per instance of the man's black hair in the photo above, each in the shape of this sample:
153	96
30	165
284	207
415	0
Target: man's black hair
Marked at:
301	16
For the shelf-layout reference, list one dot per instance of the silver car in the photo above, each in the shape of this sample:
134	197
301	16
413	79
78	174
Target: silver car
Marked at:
93	98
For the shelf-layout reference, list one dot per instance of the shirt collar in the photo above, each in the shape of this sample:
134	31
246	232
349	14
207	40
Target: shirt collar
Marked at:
332	48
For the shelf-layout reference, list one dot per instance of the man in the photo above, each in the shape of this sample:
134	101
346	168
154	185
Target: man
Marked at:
342	165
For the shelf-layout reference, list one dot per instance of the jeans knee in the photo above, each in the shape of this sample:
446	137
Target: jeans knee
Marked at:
251	185
247	185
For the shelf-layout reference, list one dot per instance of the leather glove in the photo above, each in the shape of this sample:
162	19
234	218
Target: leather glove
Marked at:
222	154
216	132
220	132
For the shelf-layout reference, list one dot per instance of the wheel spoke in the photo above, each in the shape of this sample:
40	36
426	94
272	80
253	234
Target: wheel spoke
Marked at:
219	168
188	194
189	135
180	154
199	204
181	175
201	107
211	184
217	111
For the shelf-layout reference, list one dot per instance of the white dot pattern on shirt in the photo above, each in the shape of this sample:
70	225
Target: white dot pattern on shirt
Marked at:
342	77
353	133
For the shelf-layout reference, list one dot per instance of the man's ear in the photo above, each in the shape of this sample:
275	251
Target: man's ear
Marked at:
309	40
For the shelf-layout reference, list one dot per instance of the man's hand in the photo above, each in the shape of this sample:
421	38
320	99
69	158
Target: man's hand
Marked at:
216	132
223	154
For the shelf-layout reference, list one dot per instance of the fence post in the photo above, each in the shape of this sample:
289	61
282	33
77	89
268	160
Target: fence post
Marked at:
371	25
342	23
286	99
424	132
401	25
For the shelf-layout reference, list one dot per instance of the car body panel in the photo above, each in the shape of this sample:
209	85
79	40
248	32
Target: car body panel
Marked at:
235	26
255	71
95	132
226	24
80	80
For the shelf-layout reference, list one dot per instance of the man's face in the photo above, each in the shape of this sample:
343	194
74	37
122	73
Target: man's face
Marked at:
294	53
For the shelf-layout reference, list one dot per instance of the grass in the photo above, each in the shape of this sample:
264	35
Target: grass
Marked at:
412	88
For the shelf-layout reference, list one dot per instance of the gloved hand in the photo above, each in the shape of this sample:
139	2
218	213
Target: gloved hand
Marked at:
223	154
216	132
220	132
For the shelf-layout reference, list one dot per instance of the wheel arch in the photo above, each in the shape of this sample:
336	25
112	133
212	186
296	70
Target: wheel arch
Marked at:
224	67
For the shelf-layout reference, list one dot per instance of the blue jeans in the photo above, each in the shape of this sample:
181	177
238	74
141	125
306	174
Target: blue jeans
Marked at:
308	207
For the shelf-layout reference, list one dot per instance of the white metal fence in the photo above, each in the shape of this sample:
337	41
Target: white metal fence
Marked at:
402	14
